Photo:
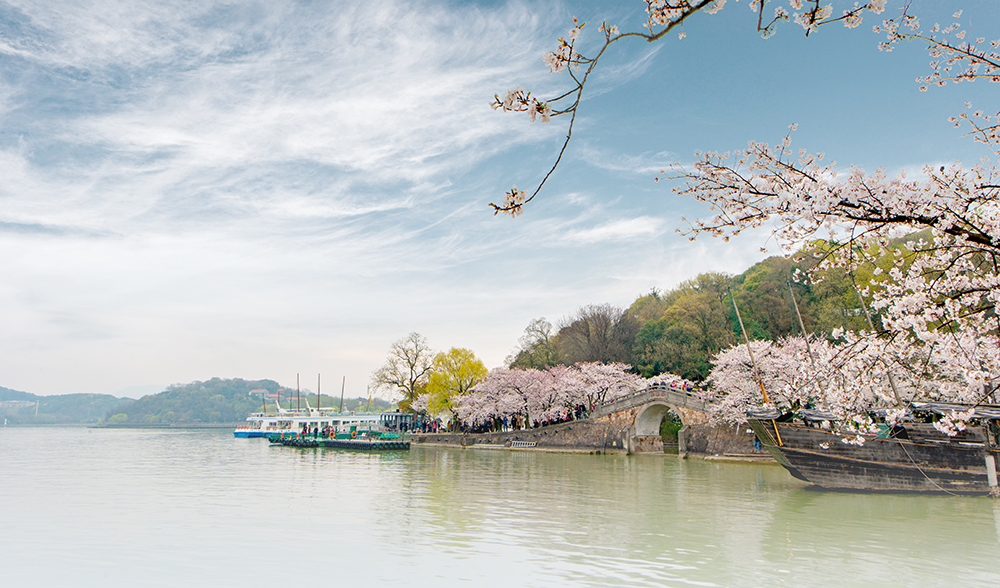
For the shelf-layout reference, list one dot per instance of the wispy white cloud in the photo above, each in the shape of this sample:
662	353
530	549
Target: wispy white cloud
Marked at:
197	189
643	227
263	113
643	164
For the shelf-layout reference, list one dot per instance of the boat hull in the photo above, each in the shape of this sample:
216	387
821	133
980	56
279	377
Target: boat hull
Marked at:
920	464
360	444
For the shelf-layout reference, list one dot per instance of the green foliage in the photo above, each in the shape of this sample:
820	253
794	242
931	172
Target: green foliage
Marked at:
681	329
213	401
695	325
59	409
670	426
452	375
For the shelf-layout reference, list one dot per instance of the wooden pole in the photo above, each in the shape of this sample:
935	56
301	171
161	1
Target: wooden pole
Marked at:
342	384
746	339
756	370
802	325
805	336
871	325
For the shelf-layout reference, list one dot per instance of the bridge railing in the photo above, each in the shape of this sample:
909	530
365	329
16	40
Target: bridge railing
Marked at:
659	390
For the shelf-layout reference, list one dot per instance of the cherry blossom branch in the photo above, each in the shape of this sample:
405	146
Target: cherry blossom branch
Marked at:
663	17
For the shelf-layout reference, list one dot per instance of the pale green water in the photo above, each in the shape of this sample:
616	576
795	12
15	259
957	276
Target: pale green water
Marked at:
91	507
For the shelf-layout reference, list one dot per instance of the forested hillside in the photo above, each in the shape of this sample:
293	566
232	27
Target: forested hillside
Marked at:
212	401
679	330
61	409
223	401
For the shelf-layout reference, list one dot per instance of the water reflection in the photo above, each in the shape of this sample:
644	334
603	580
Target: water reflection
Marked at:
996	517
166	508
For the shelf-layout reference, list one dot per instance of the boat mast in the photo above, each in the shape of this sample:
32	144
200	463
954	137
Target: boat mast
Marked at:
342	384
746	339
802	325
298	402
871	325
319	403
756	370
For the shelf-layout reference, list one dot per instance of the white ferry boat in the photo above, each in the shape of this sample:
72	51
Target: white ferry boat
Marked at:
289	423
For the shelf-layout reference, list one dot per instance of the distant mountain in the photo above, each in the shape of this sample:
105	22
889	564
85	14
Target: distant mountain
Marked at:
136	392
19	408
213	401
8	394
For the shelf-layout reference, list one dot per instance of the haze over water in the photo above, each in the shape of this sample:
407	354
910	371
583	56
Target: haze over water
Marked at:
93	507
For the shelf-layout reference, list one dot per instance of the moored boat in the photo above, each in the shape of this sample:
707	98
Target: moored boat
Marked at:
290	423
349	438
911	456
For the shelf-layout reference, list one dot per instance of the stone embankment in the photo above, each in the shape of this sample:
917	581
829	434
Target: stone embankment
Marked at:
630	424
605	434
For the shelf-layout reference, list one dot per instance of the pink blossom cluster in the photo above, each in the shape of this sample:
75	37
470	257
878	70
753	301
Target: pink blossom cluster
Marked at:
955	422
565	56
850	376
953	58
526	396
518	100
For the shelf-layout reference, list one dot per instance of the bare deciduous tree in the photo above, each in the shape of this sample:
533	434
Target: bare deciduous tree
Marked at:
406	368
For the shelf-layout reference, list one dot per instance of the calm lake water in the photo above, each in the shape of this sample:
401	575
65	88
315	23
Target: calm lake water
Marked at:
93	507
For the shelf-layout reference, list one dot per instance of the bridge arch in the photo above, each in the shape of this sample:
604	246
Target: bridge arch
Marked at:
637	417
650	417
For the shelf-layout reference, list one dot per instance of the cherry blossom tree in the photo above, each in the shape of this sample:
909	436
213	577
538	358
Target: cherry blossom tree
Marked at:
939	325
544	395
503	392
937	304
600	383
849	376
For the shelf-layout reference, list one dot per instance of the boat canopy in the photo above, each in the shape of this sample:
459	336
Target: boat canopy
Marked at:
983	411
817	415
806	414
764	414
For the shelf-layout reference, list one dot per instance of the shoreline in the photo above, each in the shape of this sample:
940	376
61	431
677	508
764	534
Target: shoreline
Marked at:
763	458
169	426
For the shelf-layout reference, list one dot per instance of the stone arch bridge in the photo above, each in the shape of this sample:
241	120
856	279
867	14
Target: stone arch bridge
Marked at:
636	418
630	424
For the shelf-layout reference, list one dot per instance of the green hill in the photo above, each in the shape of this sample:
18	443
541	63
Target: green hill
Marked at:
212	401
222	401
60	409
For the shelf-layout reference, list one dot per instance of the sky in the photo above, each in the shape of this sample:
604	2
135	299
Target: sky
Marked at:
208	189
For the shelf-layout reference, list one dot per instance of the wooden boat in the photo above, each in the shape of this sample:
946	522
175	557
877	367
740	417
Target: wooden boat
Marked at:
913	456
365	440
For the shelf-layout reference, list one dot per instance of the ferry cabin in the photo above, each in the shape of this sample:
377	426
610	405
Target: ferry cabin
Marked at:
290	424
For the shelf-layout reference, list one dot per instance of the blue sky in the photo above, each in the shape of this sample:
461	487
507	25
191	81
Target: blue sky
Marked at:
259	189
